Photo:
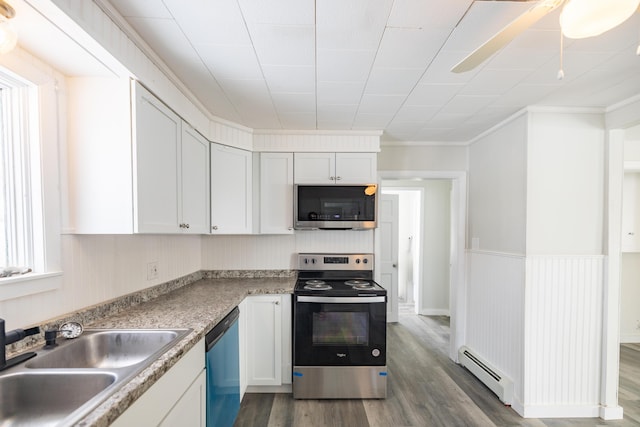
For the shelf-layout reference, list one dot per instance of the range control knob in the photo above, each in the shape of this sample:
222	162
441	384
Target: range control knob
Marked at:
366	260
375	352
357	260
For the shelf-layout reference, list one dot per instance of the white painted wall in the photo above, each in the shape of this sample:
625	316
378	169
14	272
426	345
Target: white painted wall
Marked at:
630	298
565	211
423	157
497	189
436	247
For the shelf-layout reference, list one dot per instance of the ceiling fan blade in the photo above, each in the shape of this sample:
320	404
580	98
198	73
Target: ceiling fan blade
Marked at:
504	36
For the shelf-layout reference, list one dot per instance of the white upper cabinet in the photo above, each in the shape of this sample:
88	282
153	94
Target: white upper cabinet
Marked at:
195	182
134	166
335	168
157	147
276	193
231	190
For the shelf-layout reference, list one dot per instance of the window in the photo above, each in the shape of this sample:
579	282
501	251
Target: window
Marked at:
20	214
32	108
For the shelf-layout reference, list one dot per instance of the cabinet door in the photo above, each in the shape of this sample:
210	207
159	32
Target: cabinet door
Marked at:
191	409
195	182
169	393
276	193
231	187
314	168
157	136
356	168
264	340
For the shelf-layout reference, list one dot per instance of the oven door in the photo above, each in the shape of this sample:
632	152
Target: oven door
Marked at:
340	330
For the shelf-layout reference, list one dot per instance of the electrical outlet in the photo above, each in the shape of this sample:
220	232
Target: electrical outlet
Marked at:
152	270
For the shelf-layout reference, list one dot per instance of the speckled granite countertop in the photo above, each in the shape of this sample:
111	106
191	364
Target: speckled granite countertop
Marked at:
199	306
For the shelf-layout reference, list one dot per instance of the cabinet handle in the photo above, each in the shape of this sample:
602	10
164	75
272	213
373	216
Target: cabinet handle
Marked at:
186	225
215	227
631	233
338	178
290	228
276	302
331	178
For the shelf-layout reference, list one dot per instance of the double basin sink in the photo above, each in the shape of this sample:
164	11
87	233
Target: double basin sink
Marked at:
60	386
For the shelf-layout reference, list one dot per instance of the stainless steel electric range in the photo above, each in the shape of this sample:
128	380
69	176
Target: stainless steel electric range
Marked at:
339	328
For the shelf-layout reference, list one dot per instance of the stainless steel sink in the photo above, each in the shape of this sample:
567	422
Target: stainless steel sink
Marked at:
62	385
43	399
109	349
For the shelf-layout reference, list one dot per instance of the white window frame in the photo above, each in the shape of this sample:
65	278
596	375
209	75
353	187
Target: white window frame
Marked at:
49	129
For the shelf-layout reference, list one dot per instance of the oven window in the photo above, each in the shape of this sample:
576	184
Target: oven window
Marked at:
340	328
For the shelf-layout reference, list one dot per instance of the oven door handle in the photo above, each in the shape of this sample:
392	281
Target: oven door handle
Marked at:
364	299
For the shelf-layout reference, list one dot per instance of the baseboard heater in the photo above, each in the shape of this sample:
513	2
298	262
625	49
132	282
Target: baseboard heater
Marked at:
501	385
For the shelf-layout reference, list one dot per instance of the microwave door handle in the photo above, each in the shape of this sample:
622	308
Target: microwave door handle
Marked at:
342	300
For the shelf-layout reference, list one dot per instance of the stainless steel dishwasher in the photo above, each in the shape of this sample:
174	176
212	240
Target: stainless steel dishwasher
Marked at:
223	372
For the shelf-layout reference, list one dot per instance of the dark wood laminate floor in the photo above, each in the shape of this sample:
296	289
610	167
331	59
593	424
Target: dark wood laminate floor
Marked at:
426	389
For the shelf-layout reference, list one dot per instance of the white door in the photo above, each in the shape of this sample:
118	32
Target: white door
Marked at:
388	263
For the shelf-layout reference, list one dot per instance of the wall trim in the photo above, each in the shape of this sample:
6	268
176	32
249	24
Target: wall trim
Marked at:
561	411
496	253
434	312
629	338
611	412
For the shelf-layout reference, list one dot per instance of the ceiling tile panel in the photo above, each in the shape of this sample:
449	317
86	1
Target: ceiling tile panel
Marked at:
231	62
337	113
298	120
409	48
294	102
427	14
378	64
286	78
494	81
433	94
339	93
380	104
392	81
351	25
415	113
344	65
284	44
210	22
281	12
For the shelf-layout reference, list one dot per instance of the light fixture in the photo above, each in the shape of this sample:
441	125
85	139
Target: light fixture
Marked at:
587	18
8	36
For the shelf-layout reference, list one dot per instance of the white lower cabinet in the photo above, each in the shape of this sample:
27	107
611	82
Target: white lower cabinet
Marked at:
265	343
177	398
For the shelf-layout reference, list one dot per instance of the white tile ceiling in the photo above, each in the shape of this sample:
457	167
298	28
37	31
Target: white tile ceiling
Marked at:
378	64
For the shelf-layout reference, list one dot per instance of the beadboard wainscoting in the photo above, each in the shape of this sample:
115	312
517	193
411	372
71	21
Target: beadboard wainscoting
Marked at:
495	319
278	252
563	330
98	268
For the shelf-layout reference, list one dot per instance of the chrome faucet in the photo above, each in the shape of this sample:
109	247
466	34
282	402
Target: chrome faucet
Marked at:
10	337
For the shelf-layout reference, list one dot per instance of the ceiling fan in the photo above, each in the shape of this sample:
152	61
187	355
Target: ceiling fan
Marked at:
579	19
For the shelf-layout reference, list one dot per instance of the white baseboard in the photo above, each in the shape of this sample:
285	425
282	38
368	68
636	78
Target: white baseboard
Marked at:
434	312
285	388
561	411
629	338
611	412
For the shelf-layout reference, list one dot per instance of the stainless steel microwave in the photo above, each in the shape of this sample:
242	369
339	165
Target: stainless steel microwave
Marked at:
335	206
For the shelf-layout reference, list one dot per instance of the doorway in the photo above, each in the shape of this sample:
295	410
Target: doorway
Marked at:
448	298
